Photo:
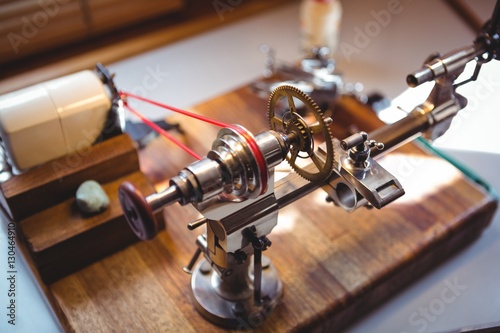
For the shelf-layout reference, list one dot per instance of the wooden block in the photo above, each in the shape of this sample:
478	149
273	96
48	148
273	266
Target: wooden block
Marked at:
61	240
56	181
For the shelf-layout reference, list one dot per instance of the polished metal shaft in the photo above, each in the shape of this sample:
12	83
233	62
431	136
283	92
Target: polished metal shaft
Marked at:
441	66
164	198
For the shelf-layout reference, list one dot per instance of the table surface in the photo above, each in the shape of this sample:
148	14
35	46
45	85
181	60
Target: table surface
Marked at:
194	70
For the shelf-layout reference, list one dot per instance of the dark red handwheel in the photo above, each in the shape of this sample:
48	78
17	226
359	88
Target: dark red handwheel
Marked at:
137	211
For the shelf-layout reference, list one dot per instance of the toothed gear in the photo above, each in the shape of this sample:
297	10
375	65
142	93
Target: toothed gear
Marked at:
303	142
301	133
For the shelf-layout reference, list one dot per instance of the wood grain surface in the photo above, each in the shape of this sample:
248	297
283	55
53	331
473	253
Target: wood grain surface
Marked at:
62	240
56	181
199	17
335	266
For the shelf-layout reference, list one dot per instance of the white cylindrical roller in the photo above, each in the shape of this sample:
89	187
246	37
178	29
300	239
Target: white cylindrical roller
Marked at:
53	118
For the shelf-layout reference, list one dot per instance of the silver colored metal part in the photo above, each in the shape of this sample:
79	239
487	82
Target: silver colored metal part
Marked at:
451	63
363	180
345	195
441	107
229	173
358	149
261	214
209	178
239	167
159	200
226	187
228	301
274	146
443	102
197	223
353	184
317	76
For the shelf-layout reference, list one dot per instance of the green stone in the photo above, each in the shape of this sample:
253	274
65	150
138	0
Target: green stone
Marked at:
91	198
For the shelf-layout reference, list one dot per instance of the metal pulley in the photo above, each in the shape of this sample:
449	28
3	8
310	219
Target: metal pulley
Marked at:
237	168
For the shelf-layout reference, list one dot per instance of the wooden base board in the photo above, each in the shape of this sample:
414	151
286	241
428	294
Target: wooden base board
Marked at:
335	266
56	181
61	240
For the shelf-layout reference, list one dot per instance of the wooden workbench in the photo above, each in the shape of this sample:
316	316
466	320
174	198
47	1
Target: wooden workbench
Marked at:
335	266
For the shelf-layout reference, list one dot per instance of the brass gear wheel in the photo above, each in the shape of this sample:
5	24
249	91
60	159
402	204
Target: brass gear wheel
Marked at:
302	135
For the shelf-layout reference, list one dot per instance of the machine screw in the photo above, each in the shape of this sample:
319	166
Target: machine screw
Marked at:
240	257
239	308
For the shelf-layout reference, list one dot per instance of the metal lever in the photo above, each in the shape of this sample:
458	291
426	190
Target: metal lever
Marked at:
259	244
198	223
189	268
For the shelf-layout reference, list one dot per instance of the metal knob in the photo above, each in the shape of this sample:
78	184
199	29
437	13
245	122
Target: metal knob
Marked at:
356	140
138	212
358	147
375	144
359	141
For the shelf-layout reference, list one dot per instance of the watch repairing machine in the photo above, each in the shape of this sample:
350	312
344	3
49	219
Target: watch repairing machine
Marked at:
234	187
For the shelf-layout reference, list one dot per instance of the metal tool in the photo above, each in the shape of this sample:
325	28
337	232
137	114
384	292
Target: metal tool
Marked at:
233	188
317	76
444	102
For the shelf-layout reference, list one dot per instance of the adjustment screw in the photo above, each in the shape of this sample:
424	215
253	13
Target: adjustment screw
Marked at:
240	257
239	308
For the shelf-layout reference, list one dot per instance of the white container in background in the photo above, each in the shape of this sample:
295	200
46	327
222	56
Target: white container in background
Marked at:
53	118
320	25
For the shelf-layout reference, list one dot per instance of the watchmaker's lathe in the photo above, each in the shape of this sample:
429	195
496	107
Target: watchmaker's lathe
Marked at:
328	267
233	187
